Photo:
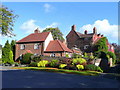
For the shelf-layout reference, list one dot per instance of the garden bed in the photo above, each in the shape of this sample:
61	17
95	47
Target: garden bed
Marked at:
59	70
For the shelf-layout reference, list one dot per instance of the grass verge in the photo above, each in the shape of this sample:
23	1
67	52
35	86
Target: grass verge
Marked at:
93	73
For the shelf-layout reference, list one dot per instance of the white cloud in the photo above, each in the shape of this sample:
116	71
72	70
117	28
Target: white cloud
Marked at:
53	25
103	27
29	26
48	7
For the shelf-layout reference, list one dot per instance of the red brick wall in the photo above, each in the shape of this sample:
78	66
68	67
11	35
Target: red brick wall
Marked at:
71	39
28	46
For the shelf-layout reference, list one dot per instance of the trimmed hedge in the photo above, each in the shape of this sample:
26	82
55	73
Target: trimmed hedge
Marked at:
93	68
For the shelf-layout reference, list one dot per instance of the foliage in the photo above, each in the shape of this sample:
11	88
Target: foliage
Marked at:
16	64
85	55
62	66
13	42
112	55
93	67
74	55
36	58
26	58
101	45
5	52
65	61
10	58
71	67
56	33
78	61
42	63
67	56
7	18
33	64
80	67
54	63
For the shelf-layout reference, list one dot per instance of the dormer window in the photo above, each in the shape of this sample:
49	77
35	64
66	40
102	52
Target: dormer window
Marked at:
86	46
22	46
36	46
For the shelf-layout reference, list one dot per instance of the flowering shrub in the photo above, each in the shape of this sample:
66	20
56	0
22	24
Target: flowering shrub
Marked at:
42	63
80	67
62	66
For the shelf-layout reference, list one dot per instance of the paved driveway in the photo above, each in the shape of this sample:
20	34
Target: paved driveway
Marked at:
41	79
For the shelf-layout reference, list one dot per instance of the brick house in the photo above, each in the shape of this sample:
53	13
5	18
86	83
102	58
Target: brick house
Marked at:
40	43
84	41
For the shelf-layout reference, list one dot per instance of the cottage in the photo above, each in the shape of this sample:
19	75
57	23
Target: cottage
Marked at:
40	43
85	41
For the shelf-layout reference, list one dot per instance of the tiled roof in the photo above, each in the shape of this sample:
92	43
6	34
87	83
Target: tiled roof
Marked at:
35	37
57	46
85	35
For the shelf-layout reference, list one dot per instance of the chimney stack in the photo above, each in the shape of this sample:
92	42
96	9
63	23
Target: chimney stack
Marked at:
74	27
95	30
85	32
37	31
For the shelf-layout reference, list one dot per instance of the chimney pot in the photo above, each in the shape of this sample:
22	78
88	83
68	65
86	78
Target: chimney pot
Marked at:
85	32
74	27
95	30
37	31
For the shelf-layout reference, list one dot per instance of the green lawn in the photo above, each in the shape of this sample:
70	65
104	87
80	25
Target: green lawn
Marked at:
49	69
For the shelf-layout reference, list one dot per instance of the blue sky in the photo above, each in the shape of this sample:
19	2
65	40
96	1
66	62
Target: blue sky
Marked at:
85	15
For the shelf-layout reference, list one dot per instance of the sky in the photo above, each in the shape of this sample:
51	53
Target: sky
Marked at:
85	15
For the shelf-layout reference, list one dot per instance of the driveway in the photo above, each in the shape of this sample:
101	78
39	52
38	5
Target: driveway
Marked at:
41	79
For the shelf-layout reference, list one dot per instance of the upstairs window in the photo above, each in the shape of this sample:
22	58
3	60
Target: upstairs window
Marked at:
22	46
36	46
86	46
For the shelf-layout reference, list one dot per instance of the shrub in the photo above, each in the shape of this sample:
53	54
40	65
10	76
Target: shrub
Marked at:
33	64
36	58
26	58
65	61
93	67
70	67
74	55
67	56
62	66
16	64
54	63
78	61
85	55
80	67
42	63
113	56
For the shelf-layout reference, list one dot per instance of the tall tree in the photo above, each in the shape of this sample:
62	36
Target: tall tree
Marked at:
55	32
5	52
13	42
7	19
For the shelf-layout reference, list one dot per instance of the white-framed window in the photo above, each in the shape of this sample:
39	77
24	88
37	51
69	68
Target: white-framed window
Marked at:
36	46
22	46
86	46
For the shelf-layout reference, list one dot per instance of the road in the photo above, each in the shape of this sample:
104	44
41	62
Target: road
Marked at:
41	79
